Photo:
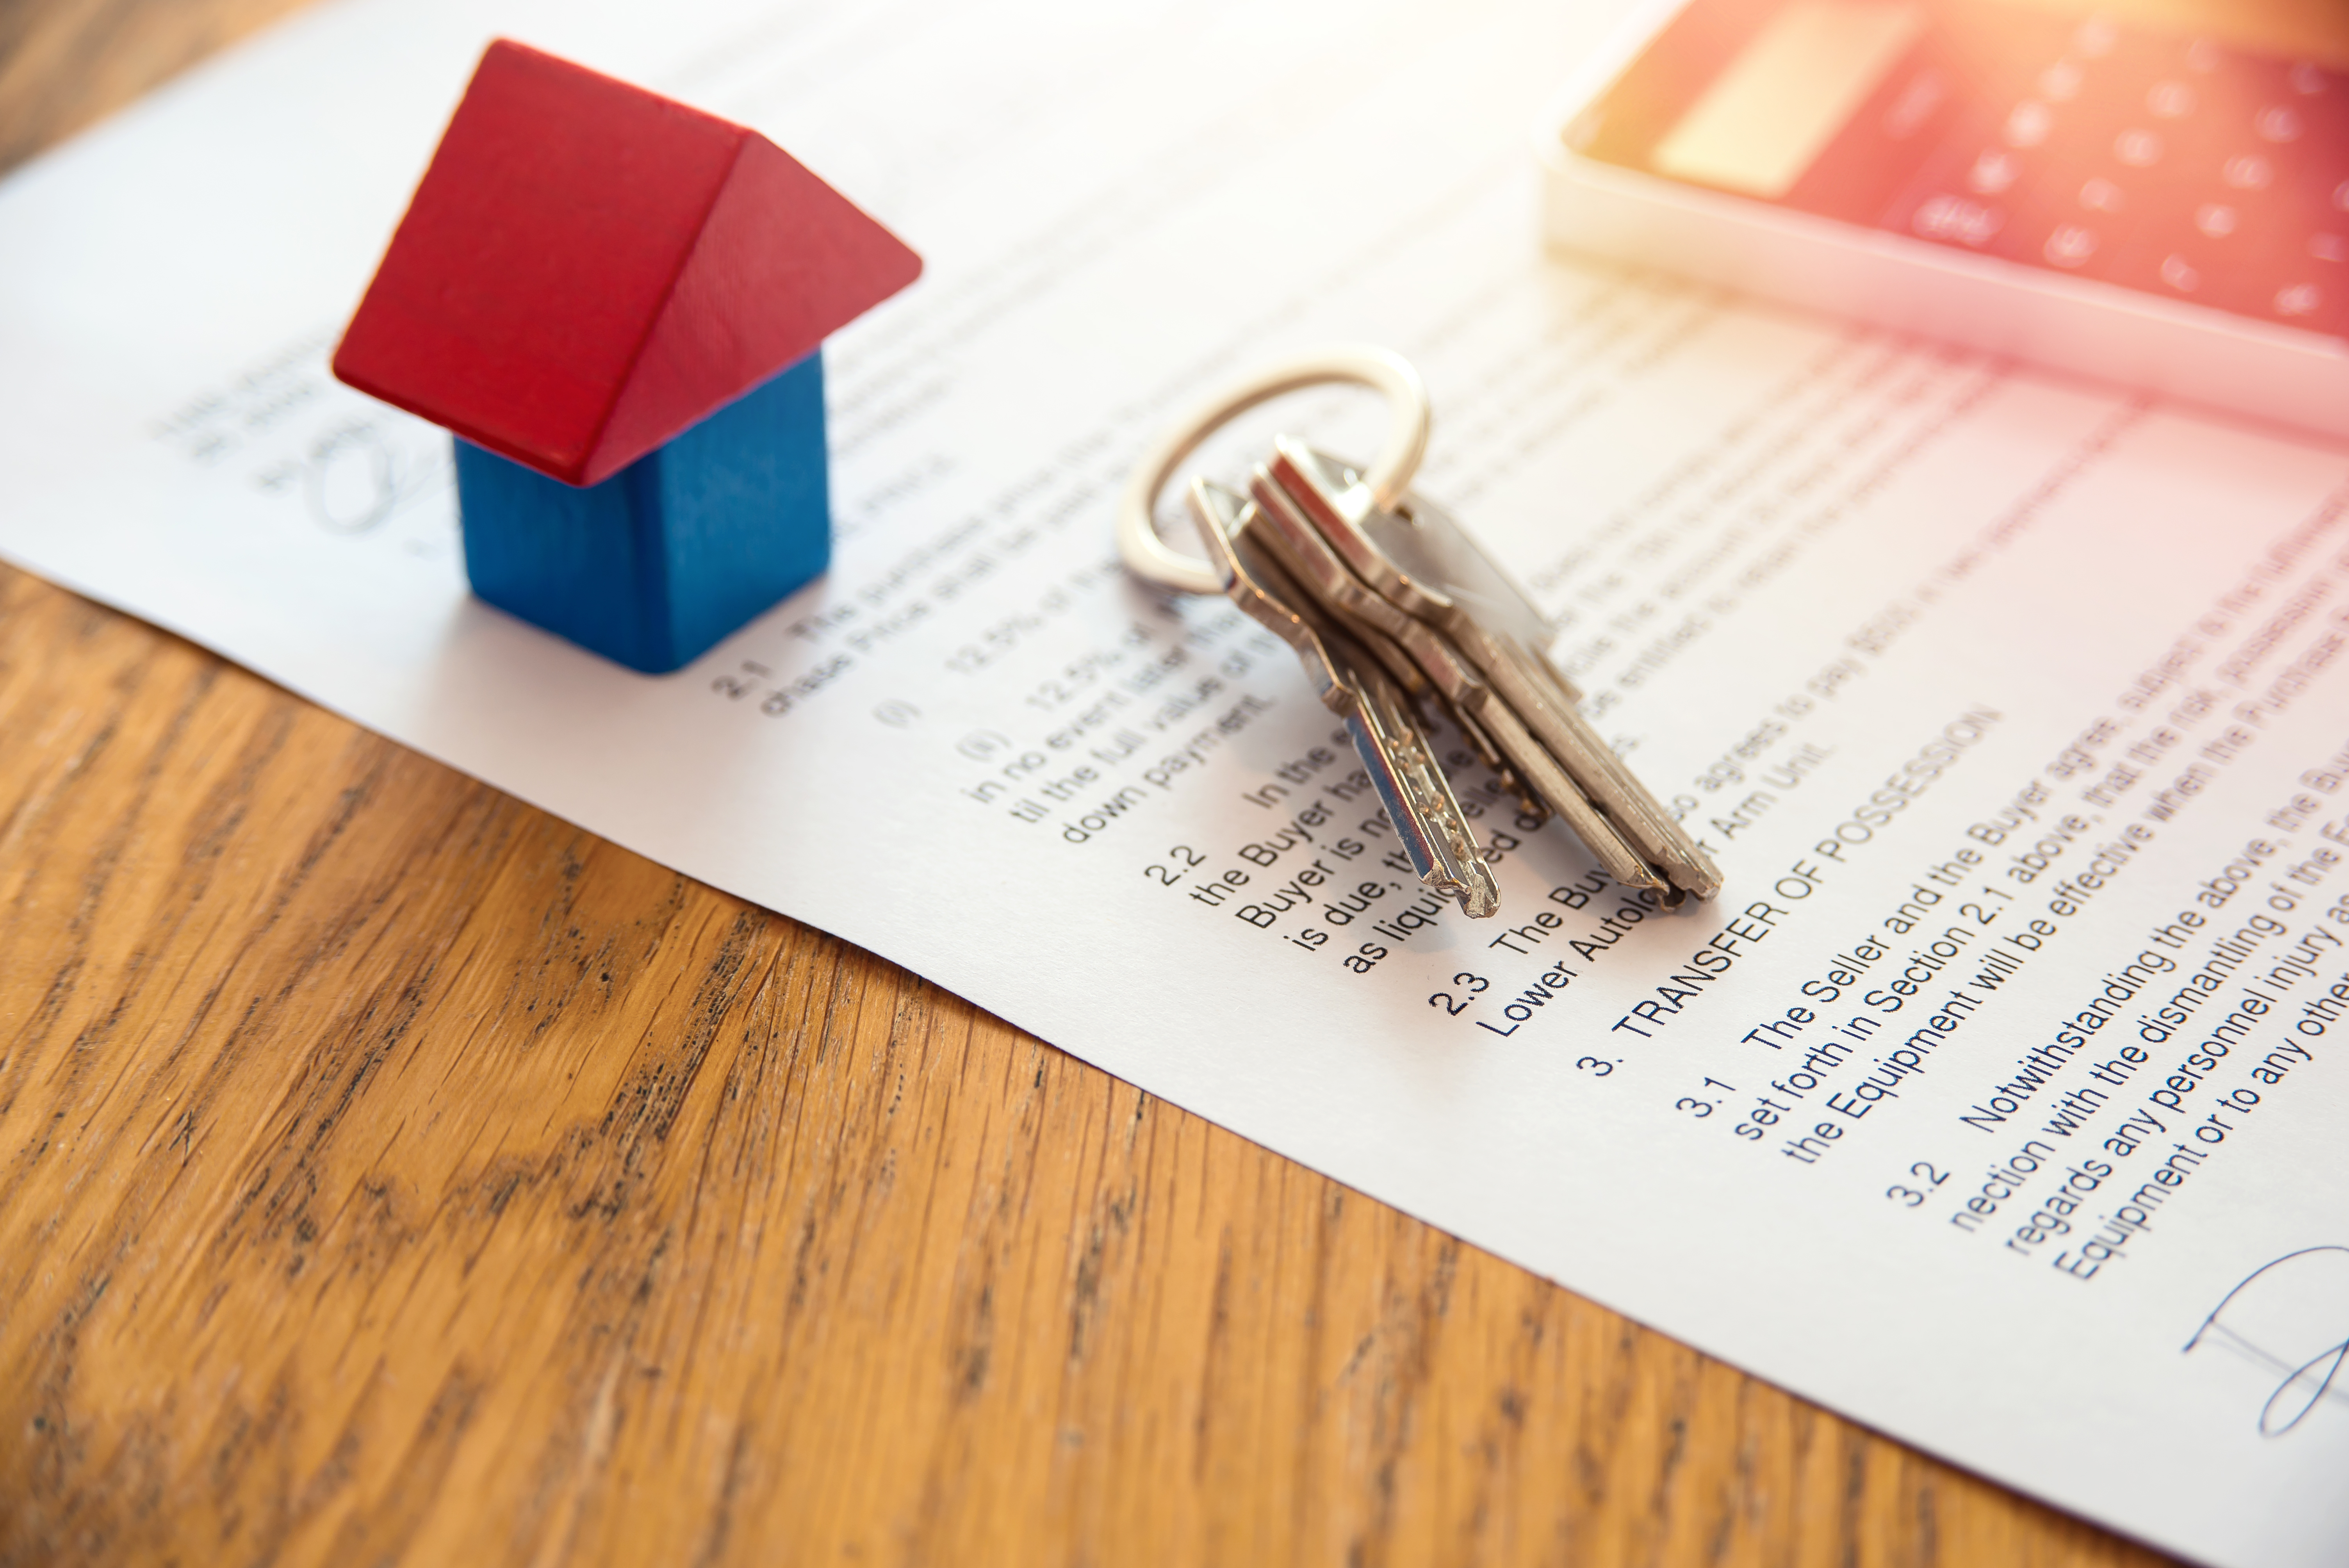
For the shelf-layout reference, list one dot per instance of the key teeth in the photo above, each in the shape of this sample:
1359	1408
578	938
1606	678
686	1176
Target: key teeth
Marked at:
1479	900
1471	883
1456	870
1479	897
1675	891
1678	891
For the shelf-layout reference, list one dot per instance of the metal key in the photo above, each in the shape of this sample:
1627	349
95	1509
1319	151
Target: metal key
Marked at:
1386	599
1351	683
1473	703
1425	572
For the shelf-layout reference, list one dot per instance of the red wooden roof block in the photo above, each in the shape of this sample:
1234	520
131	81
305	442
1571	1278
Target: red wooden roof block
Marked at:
588	268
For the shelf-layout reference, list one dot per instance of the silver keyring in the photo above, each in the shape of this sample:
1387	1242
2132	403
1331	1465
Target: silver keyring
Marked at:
1147	555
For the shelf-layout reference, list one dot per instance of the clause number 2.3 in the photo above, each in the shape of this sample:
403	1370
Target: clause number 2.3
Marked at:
1452	1006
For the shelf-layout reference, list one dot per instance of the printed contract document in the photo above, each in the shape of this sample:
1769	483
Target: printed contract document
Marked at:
1999	1102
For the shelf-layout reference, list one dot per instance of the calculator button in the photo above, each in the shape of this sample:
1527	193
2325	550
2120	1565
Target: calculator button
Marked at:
2028	124
2070	246
2248	172
2096	38
2297	300
2278	123
1953	220
2098	194
1994	172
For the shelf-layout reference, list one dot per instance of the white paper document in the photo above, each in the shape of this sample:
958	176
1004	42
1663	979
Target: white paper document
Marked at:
1997	1103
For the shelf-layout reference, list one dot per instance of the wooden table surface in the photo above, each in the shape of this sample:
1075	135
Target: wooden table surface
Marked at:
392	1173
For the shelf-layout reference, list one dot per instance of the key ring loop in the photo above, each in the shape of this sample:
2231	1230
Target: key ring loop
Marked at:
1149	557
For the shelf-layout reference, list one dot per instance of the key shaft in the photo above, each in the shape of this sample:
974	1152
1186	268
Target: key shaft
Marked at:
1349	681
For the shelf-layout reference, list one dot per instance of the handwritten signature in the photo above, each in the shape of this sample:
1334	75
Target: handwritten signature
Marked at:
2290	1316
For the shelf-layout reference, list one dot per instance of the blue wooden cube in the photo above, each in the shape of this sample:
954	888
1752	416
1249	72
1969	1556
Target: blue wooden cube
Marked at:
653	565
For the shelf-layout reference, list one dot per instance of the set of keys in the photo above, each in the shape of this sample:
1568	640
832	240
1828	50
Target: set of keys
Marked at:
1395	613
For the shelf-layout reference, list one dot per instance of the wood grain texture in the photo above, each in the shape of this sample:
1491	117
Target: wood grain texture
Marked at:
65	63
390	1172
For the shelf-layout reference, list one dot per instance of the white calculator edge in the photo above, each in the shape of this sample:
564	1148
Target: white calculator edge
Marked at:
2098	330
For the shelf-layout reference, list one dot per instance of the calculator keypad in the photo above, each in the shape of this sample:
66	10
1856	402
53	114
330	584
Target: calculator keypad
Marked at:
2174	167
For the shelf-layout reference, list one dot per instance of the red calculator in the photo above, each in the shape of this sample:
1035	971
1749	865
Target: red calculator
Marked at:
2165	211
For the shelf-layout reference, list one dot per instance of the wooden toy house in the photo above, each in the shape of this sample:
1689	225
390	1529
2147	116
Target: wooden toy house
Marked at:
617	304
